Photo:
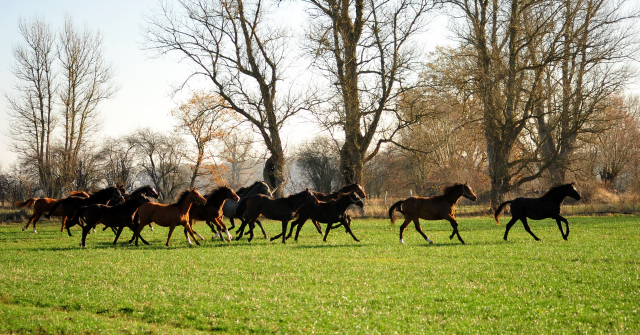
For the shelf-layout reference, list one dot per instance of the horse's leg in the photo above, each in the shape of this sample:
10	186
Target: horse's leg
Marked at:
293	224
118	232
403	227
191	232
171	228
150	227
566	234
262	228
252	225
33	217
348	227
326	232
195	232
454	225
85	232
233	223
416	223
509	225
528	229
240	230
318	227
64	220
560	227
226	230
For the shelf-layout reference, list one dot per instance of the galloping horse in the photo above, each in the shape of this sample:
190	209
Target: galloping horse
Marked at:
212	210
230	206
169	215
41	205
118	216
547	206
327	212
282	209
69	205
441	207
326	197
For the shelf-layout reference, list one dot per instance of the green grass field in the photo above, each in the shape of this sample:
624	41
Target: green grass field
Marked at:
589	284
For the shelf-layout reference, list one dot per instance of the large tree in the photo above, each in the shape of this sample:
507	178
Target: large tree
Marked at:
232	45
366	49
85	82
31	109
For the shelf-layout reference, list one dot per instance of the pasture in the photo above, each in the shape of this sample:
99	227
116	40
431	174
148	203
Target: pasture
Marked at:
588	284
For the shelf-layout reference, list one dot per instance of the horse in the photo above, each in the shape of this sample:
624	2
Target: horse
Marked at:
211	211
282	209
547	206
326	197
69	205
42	205
327	212
441	207
169	215
118	216
230	206
146	190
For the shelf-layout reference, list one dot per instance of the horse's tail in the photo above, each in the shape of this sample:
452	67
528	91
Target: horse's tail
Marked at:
53	209
497	214
396	206
27	203
242	207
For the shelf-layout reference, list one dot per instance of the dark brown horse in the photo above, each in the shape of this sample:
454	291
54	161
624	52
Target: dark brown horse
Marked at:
118	216
173	215
326	197
327	212
282	209
547	206
211	211
69	205
42	205
441	207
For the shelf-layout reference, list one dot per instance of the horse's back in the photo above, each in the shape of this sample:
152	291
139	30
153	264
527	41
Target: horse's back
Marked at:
533	208
426	208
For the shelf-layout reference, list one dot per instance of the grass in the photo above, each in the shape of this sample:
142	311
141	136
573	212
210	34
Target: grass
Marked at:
589	284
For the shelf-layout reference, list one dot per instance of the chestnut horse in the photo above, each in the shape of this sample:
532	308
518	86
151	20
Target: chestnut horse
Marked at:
212	211
441	207
41	205
169	215
282	209
547	206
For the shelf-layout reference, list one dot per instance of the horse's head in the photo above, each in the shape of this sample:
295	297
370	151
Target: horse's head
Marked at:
572	192
122	190
117	198
360	191
196	197
151	192
230	194
467	192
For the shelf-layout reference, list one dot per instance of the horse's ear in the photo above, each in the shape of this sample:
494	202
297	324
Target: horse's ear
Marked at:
465	183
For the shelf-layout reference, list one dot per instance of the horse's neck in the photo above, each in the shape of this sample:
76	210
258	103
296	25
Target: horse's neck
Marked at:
216	201
453	197
559	197
343	203
186	205
294	203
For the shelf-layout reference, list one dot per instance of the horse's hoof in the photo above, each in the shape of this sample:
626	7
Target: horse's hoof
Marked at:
401	241
151	228
24	228
35	231
430	242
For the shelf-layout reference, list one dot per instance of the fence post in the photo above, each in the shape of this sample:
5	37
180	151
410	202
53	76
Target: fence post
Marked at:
385	198
410	193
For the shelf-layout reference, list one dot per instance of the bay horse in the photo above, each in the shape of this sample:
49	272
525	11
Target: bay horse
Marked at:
440	207
230	206
282	209
211	211
173	215
547	206
327	212
42	205
69	205
118	216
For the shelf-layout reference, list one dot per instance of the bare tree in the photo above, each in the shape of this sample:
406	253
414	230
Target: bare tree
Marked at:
365	49
31	111
231	45
240	161
162	161
86	81
319	159
117	161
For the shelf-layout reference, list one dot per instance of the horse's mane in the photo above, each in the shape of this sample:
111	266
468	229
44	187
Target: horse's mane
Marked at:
555	189
182	197
103	191
141	188
297	195
449	189
344	189
216	191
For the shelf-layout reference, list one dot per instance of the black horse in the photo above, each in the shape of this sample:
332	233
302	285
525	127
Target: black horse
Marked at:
230	206
327	212
282	209
146	190
69	205
547	206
